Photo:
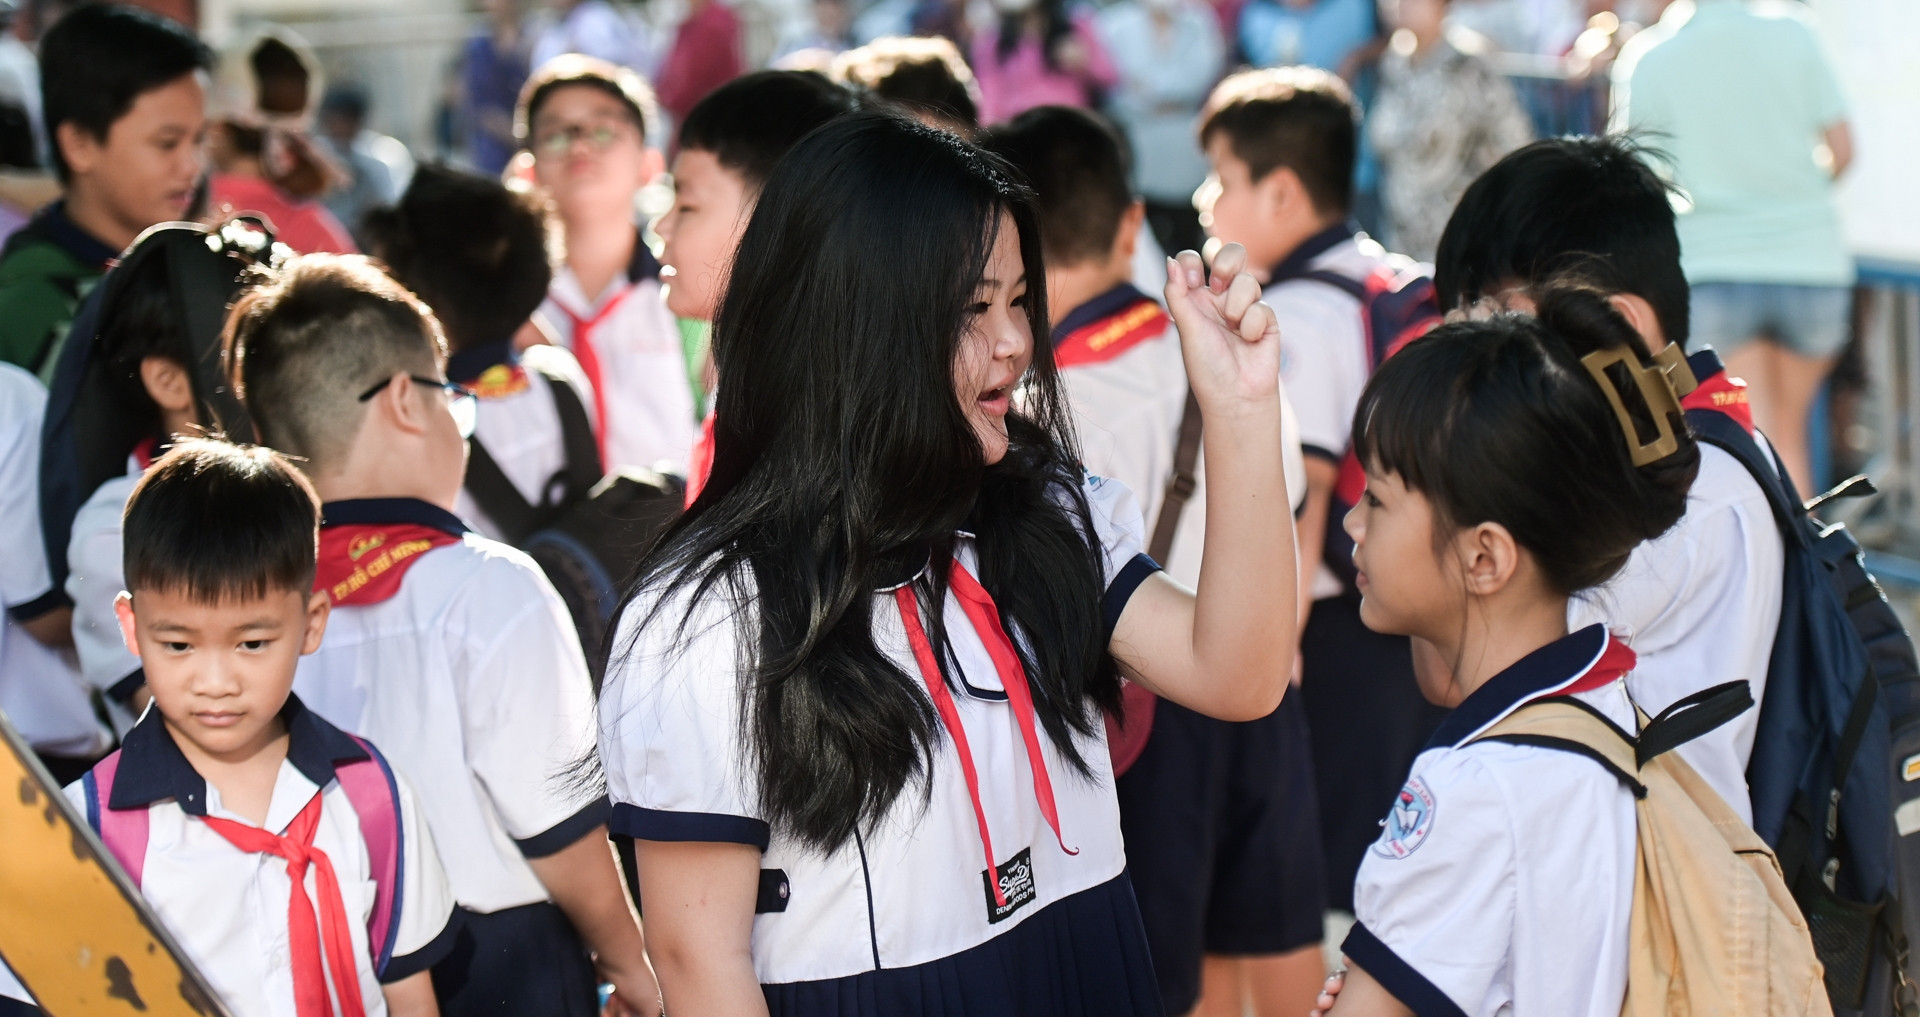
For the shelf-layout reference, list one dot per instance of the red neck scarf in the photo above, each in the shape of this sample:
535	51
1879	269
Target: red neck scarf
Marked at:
1722	393
985	617
587	352
1615	661
1106	338
362	564
304	934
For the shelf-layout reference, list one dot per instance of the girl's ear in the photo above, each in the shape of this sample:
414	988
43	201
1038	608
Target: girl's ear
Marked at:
1489	558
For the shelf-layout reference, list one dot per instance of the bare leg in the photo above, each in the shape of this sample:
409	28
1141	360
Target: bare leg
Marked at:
1274	985
1783	386
1223	988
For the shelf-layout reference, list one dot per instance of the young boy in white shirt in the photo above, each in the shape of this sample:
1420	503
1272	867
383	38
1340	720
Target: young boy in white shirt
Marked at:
1282	144
1201	789
586	123
451	648
287	858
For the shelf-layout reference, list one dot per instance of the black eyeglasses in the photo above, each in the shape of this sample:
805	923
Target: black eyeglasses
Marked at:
461	402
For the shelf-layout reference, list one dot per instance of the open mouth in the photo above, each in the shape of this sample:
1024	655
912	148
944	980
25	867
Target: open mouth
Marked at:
995	400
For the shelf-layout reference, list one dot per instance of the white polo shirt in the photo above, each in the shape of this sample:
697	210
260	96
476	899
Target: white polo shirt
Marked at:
517	421
40	688
1126	412
1503	878
1700	605
912	890
642	366
94	580
228	908
471	679
1324	361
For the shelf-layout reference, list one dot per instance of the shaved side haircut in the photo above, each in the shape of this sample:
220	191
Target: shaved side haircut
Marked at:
304	344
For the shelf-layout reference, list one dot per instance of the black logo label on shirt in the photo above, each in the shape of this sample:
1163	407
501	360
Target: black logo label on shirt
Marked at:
1016	885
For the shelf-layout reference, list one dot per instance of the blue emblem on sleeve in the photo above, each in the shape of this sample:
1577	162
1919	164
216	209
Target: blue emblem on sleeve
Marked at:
1408	823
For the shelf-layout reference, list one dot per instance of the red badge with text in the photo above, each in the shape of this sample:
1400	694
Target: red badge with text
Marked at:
1722	393
361	565
1103	340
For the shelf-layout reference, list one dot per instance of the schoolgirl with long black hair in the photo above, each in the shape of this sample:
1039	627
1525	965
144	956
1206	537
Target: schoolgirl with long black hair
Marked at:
852	710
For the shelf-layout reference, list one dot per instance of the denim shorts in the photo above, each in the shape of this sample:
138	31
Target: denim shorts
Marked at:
1811	321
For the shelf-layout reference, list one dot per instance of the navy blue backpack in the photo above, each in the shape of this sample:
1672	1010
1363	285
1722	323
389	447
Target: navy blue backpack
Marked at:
1840	713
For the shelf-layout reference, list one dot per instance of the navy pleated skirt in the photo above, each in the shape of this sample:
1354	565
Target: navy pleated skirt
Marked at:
1084	956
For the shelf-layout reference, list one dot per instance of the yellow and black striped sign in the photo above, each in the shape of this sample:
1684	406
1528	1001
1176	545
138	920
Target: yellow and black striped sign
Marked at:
74	930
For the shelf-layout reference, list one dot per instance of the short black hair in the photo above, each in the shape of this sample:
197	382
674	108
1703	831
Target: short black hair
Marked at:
921	75
218	521
475	251
302	346
1591	205
750	122
621	83
1300	118
100	58
1079	169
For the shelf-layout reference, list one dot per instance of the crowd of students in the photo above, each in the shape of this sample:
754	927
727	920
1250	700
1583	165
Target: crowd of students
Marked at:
1034	641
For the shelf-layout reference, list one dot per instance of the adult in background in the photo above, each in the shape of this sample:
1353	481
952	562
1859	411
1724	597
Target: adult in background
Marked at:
1167	53
705	55
496	63
1040	55
377	166
1442	116
1329	34
1750	114
592	28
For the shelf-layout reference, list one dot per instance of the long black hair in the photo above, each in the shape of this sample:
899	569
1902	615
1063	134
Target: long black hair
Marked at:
1499	421
844	464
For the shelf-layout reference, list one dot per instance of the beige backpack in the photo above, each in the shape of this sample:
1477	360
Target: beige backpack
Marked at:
1714	930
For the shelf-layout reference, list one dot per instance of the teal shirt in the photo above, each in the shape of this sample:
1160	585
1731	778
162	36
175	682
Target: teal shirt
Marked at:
1737	94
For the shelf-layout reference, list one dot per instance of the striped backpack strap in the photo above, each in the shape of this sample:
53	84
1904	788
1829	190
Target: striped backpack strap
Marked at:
370	786
123	831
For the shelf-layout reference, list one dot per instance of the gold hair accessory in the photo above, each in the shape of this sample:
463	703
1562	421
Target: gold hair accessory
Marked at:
1662	385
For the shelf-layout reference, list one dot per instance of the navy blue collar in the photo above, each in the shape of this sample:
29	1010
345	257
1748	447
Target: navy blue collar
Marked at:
1105	305
643	265
53	223
152	766
1297	262
389	511
469	364
1544	671
1705	364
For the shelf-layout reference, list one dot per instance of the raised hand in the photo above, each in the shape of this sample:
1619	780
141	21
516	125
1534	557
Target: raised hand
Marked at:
1229	337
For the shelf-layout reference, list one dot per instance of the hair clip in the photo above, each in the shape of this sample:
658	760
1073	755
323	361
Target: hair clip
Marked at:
1661	385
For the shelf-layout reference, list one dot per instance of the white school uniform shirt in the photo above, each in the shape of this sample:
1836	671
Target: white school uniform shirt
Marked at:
910	890
1503	878
471	679
94	580
1700	605
1127	412
1323	349
517	421
227	908
40	688
643	367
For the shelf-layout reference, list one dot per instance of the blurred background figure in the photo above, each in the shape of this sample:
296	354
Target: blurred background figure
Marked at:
1751	116
1441	116
1167	55
1332	35
595	28
19	96
263	161
493	66
827	30
705	55
377	167
926	78
1040	54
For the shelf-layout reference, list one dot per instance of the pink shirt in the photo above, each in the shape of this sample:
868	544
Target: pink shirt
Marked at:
305	226
1025	81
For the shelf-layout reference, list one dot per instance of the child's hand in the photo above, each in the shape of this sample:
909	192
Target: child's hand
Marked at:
635	993
1228	336
1328	993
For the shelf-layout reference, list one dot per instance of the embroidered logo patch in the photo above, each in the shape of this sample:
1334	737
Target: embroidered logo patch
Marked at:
1016	885
1407	823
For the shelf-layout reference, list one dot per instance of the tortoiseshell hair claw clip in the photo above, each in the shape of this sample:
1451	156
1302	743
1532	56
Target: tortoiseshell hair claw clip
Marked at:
1662	385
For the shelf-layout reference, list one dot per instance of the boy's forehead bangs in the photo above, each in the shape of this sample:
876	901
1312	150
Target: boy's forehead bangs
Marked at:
222	588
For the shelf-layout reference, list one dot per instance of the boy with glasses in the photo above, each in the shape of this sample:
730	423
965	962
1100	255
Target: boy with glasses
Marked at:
585	121
448	648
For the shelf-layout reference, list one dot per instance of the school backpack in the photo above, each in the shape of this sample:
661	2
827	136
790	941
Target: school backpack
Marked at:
370	788
589	529
1713	931
1842	680
1398	304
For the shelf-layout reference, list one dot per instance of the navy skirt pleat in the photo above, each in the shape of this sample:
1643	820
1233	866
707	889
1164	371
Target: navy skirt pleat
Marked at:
1084	956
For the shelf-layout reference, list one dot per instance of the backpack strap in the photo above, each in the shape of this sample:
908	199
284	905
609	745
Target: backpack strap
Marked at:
1718	429
496	495
370	786
1691	717
123	831
1569	725
1183	482
584	467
